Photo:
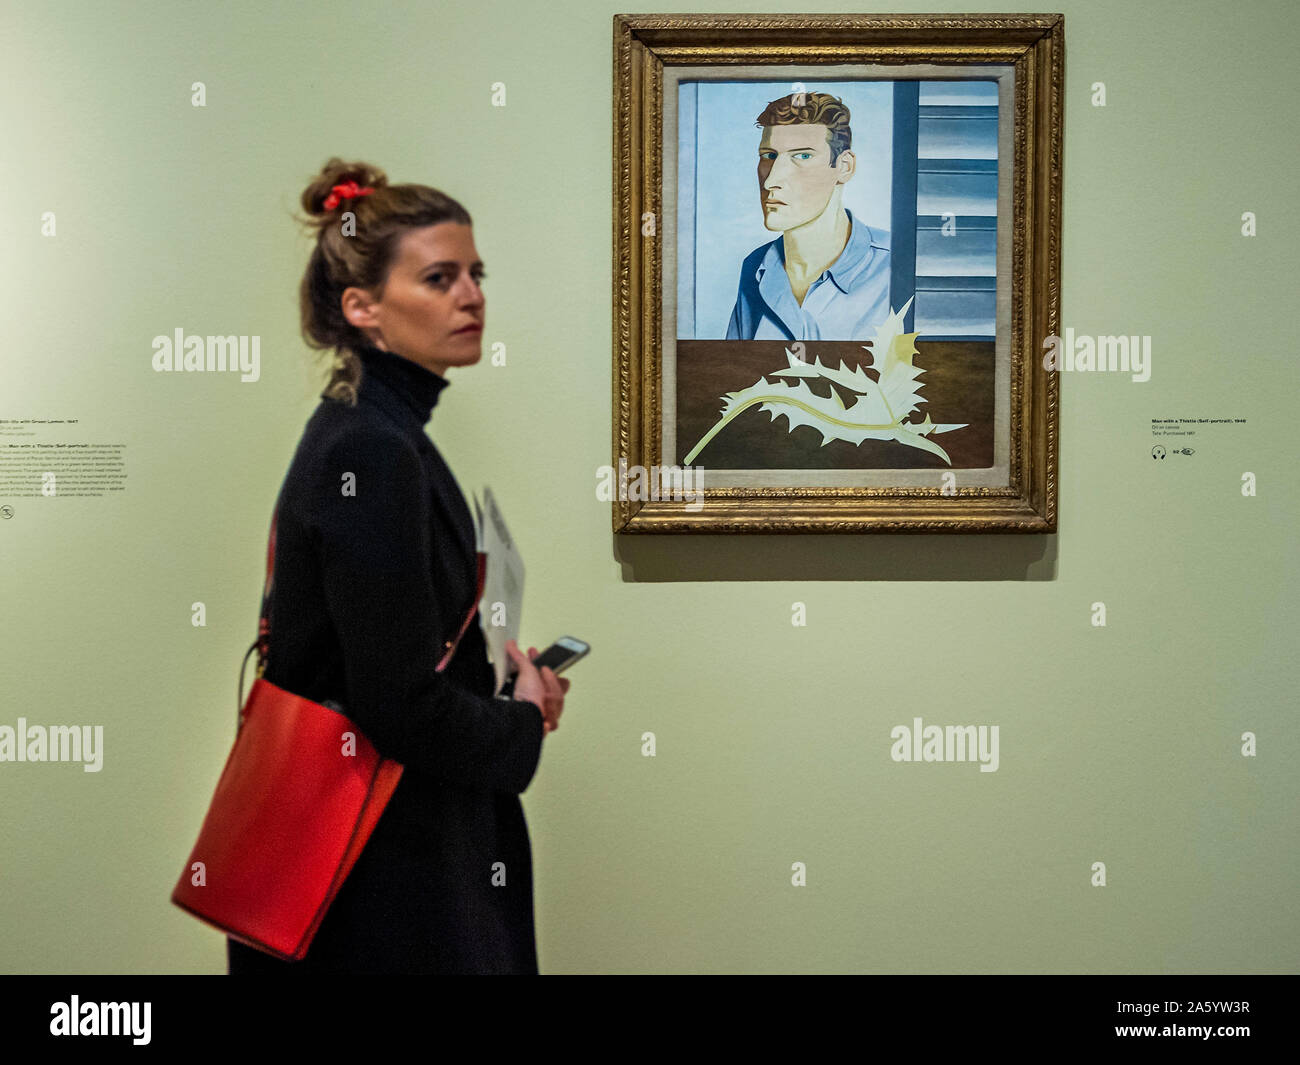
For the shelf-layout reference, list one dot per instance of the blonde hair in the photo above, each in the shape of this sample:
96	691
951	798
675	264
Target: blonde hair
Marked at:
818	108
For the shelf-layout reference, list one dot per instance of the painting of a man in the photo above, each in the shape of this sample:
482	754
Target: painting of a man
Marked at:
827	276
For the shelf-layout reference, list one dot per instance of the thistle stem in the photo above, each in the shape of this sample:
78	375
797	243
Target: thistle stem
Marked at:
782	399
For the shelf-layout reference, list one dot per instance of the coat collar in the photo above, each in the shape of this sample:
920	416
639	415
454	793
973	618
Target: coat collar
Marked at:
407	393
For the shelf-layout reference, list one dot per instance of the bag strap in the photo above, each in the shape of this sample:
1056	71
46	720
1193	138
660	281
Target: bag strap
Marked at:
262	645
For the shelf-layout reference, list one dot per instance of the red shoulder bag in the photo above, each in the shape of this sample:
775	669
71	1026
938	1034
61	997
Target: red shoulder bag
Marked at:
295	804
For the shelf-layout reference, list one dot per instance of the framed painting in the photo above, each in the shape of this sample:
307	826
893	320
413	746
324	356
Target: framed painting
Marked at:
836	253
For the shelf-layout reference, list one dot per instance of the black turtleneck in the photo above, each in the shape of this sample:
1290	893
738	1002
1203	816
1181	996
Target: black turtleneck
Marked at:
406	393
418	386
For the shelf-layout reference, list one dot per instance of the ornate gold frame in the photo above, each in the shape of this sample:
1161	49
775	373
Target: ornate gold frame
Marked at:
1035	44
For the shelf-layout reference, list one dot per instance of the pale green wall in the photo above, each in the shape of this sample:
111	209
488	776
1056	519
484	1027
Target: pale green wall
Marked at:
1118	744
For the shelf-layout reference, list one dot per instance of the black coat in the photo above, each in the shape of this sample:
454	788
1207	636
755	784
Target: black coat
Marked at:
368	588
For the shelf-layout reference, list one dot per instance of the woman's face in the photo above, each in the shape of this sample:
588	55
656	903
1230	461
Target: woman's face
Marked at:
432	295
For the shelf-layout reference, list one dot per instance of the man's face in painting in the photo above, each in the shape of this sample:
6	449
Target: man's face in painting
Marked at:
795	176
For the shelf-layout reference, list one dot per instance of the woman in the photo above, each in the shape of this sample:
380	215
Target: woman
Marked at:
375	570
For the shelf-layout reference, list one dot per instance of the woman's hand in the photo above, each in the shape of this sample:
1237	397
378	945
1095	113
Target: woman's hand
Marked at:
542	686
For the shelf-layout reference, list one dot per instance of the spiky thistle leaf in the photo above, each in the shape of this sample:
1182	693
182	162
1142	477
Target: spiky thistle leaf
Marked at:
880	412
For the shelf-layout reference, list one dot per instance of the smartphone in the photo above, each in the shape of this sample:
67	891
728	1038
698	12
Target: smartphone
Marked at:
562	654
559	656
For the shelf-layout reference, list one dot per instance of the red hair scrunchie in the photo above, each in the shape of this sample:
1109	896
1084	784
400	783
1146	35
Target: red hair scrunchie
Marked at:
346	191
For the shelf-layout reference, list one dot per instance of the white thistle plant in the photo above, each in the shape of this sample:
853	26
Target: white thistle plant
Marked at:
881	410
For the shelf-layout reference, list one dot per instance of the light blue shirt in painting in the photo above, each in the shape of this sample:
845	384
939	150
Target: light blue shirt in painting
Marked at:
848	301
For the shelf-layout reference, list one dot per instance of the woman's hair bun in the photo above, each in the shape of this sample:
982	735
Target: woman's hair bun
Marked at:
338	172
